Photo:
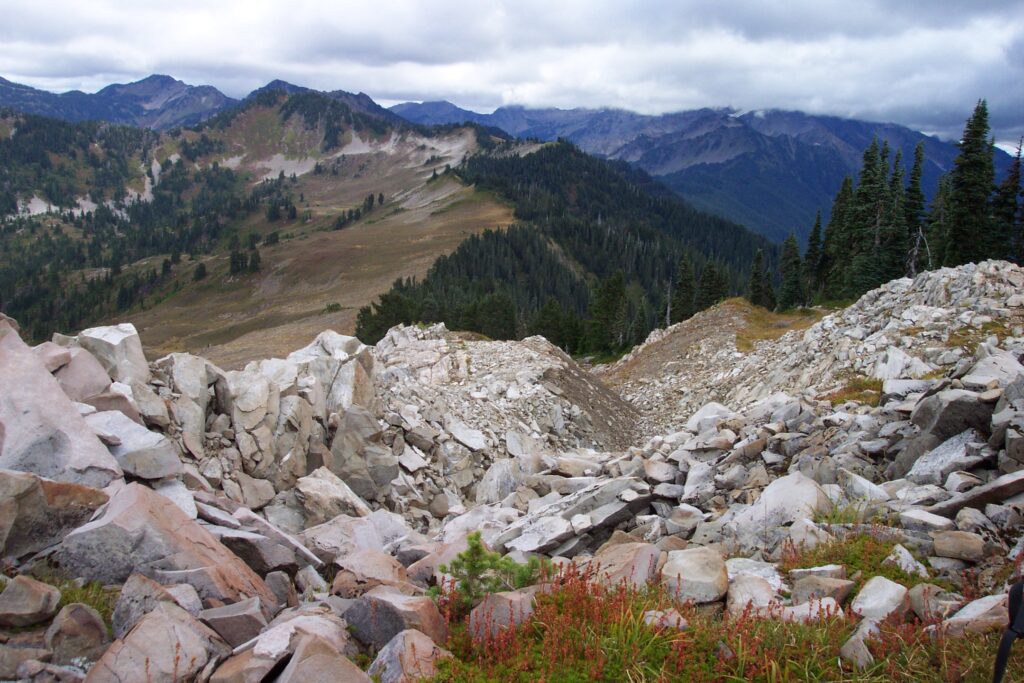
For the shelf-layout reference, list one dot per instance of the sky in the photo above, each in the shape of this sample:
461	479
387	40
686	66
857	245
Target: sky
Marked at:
920	63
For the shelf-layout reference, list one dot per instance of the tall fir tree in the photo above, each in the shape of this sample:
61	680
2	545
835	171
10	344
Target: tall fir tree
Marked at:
755	284
867	222
684	292
606	313
768	290
812	261
895	245
970	236
838	242
713	287
919	256
791	293
1006	212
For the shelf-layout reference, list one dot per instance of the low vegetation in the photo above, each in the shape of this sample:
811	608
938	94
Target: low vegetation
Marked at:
866	390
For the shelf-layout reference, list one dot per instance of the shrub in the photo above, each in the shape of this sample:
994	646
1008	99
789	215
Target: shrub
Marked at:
477	571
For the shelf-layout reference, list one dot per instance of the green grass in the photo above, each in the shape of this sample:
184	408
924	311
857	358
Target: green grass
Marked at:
866	390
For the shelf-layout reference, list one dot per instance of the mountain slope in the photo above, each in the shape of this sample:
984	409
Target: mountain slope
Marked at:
768	170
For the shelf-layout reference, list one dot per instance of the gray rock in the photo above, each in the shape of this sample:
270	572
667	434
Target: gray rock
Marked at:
500	611
140	453
916	519
358	456
26	602
411	655
959	545
82	377
933	467
77	633
119	349
698	575
237	623
41	431
380	615
879	598
324	496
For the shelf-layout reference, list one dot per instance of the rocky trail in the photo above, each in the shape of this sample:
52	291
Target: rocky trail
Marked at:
285	521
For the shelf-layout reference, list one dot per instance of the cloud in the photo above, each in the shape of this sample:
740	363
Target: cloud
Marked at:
917	62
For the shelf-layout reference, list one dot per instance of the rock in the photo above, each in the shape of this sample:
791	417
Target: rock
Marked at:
855	650
324	496
831	571
785	500
958	482
344	534
544	534
917	519
750	594
256	493
36	513
175	491
318	661
989	613
817	587
237	623
806	534
138	596
379	615
933	467
696	574
473	439
939	417
365	569
929	601
358	456
188	376
894	363
168	644
809	612
857	488
151	407
82	377
52	356
262	554
119	349
140	530
669	619
77	632
996	491
310	581
409	656
959	545
500	480
14	656
707	417
879	598
765	570
500	611
631	564
284	590
901	558
27	602
140	452
41	431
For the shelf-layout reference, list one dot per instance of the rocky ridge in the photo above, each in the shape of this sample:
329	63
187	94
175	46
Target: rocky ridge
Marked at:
289	516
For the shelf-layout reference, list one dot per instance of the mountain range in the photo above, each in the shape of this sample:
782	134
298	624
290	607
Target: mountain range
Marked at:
770	170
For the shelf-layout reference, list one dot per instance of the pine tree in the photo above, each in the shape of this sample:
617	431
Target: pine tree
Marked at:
605	312
684	292
867	220
768	291
938	220
713	287
755	284
1006	211
812	260
547	322
970	236
894	243
838	242
791	293
919	254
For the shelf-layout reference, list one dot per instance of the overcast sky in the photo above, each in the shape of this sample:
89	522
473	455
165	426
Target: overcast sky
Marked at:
922	63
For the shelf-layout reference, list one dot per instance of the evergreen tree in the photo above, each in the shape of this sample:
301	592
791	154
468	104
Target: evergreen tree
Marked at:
791	293
971	236
684	292
547	322
254	261
937	224
713	287
867	218
895	245
755	284
200	272
919	255
812	260
1006	212
768	291
606	311
496	315
838	242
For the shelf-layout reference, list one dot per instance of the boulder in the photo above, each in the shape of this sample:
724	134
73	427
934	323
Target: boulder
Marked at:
140	452
989	613
140	530
959	545
379	615
929	601
365	569
237	623
901	558
629	564
53	356
27	602
119	350
316	660
879	598
324	496
167	645
996	491
750	594
77	632
359	457
951	455
188	376
41	431
138	597
410	656
82	377
36	513
784	501
500	611
817	587
698	575
473	439
707	417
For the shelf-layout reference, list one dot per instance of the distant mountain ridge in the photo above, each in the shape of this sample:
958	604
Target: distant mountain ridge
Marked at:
158	102
769	170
